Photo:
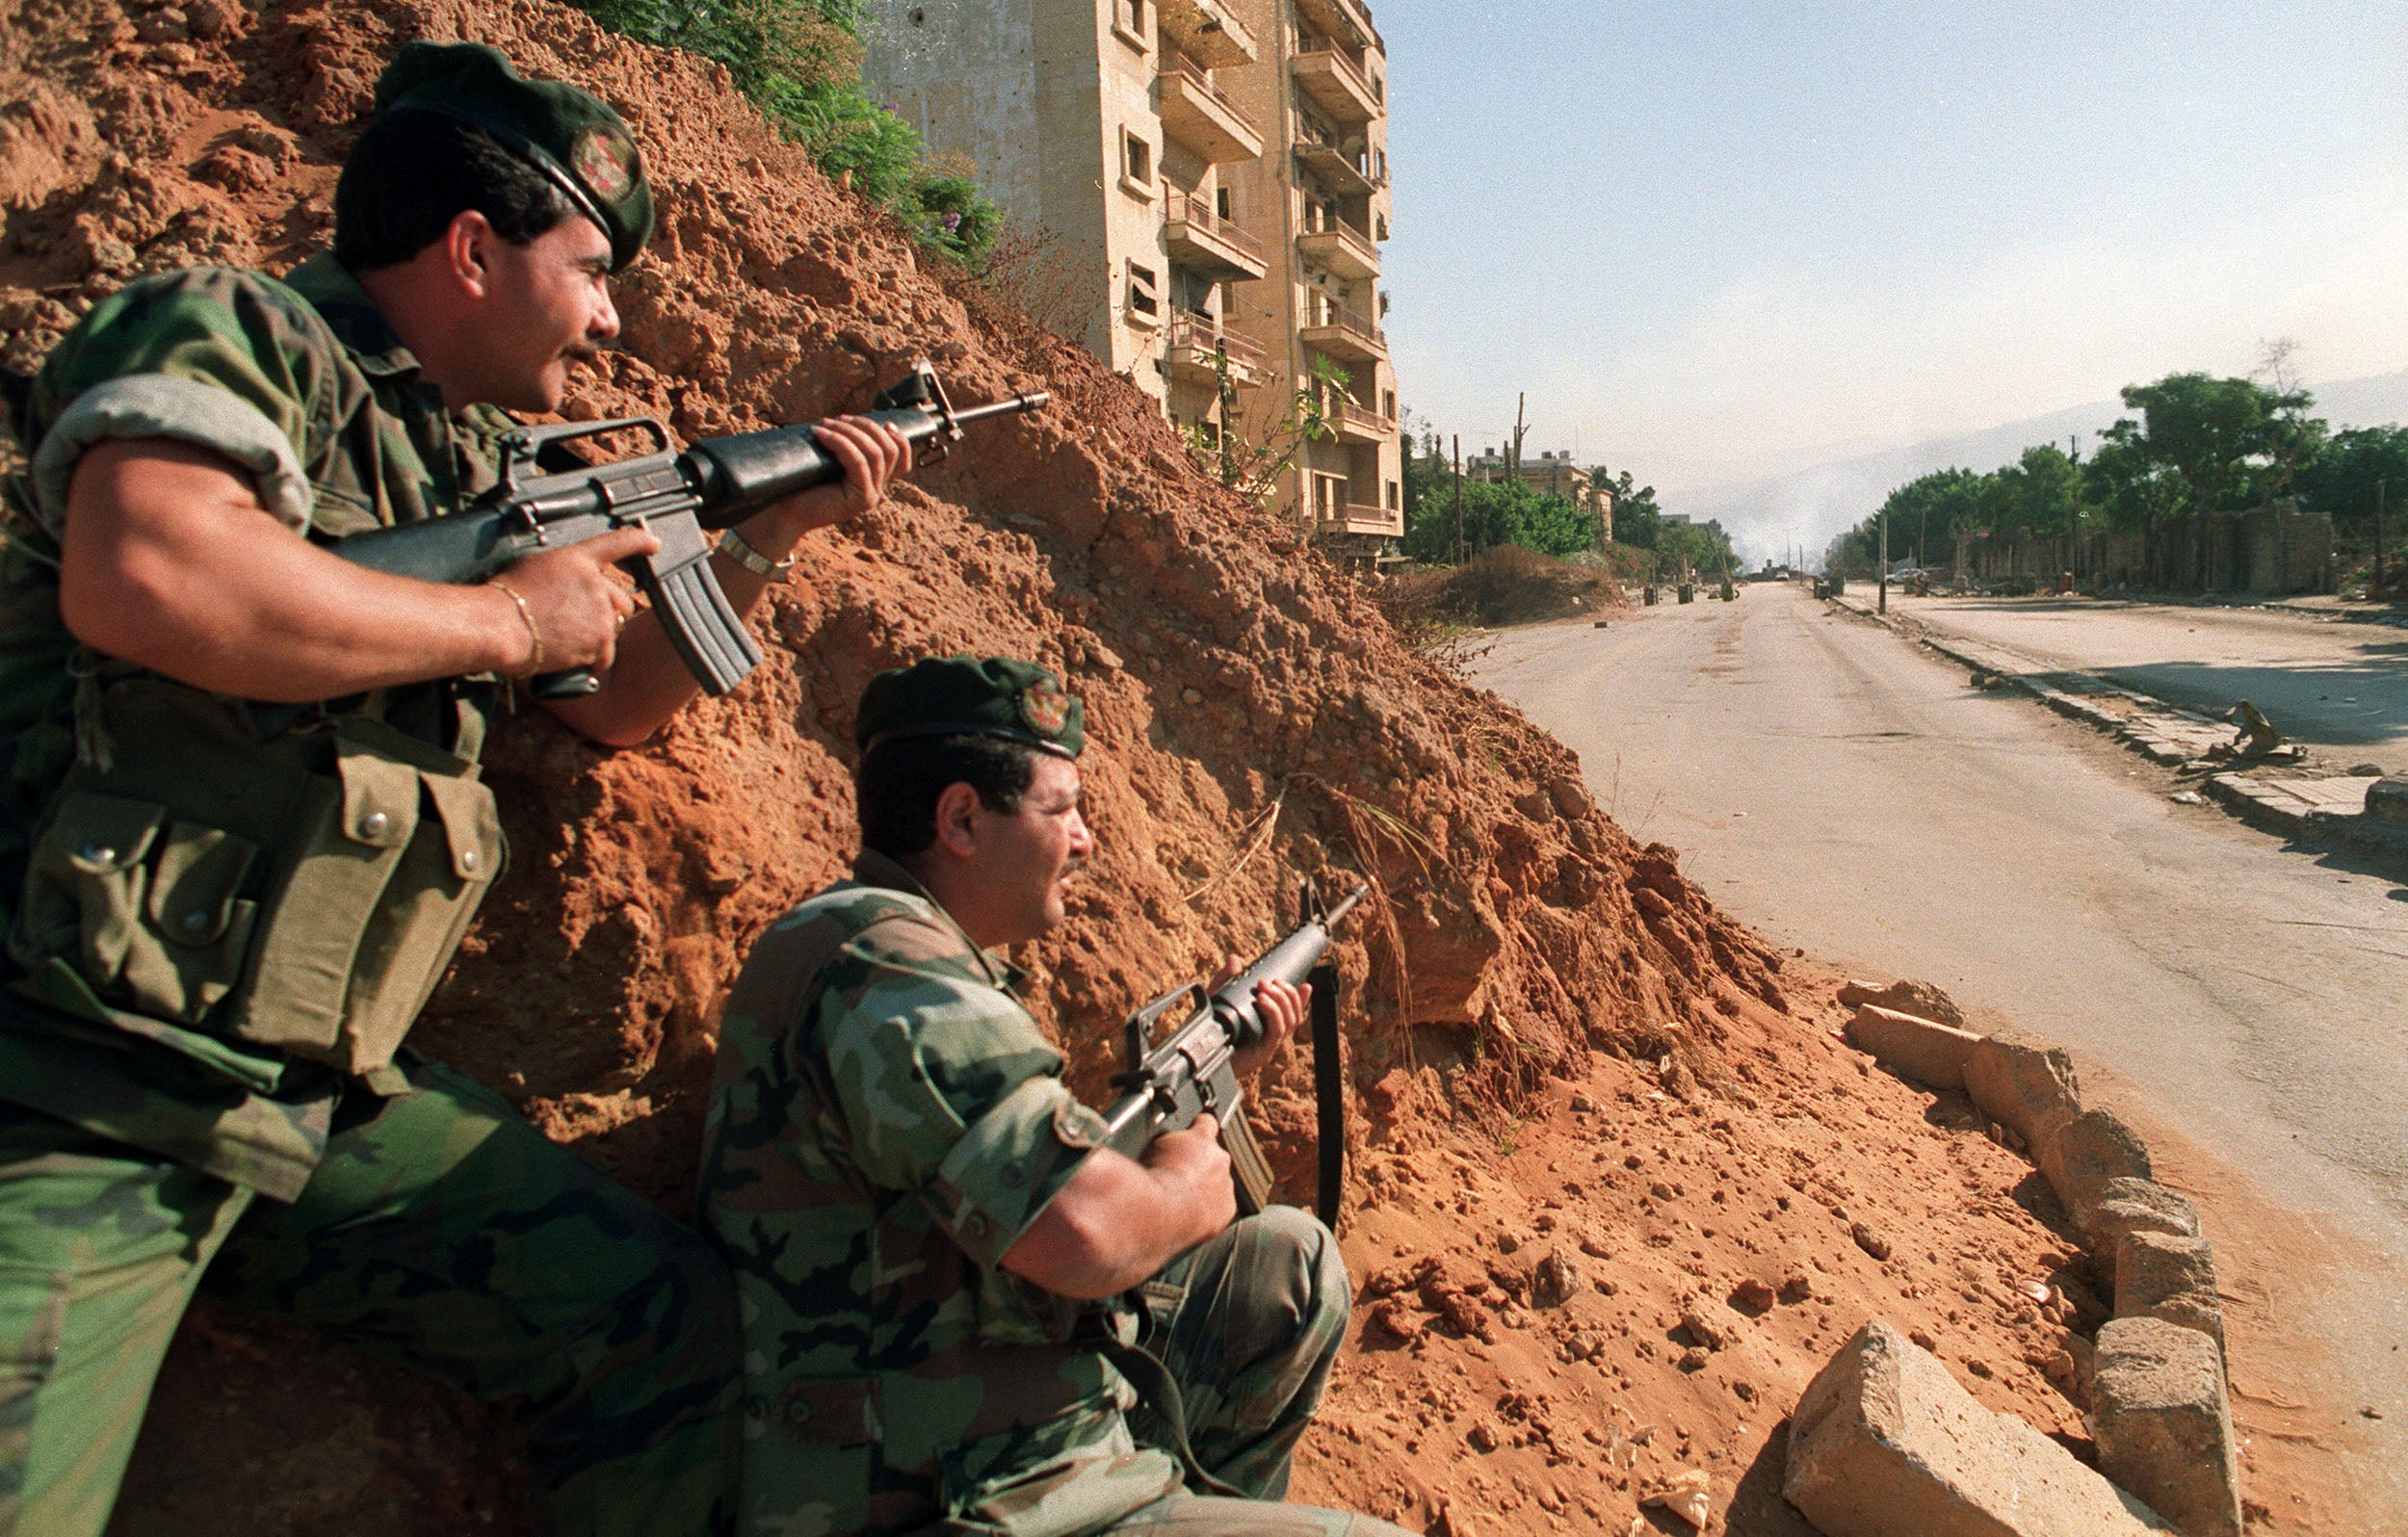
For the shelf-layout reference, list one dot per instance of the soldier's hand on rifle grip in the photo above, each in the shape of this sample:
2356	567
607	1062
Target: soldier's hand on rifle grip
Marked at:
564	609
1196	1159
872	452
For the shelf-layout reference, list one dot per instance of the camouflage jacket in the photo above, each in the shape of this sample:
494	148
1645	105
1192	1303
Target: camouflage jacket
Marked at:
885	1122
304	385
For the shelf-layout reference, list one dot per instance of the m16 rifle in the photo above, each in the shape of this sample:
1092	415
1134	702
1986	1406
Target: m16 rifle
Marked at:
1192	1070
682	498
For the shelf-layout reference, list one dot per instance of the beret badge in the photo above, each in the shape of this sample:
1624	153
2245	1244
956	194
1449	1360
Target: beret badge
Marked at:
602	163
1044	707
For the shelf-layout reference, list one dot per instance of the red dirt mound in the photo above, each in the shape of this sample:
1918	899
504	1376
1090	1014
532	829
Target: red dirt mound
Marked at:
1252	718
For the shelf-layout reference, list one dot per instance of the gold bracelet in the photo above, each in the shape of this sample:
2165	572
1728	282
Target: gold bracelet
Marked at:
534	637
738	549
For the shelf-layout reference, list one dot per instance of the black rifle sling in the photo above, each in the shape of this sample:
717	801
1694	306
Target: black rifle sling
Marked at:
1153	1383
1329	1089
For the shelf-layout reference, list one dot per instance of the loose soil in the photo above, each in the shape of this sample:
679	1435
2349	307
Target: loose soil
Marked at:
1610	1163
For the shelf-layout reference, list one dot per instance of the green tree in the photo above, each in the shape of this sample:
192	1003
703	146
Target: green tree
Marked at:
1635	515
2212	434
1252	468
2131	489
2347	475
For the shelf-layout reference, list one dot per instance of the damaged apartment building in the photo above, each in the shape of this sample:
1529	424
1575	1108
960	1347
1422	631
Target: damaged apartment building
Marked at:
1205	184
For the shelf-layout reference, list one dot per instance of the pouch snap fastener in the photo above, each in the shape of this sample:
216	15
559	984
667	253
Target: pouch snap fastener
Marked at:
373	825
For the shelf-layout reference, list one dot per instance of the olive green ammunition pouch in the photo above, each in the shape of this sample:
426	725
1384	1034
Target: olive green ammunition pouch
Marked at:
302	893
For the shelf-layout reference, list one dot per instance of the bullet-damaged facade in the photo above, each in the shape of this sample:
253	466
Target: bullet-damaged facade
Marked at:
1211	178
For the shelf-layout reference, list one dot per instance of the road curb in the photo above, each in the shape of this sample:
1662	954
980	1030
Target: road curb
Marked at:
2097	1167
2163	733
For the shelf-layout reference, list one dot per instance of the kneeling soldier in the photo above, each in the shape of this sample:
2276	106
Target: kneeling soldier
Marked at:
948	1287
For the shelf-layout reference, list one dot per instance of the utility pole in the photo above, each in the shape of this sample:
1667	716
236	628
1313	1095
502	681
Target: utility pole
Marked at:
1885	561
2382	485
1458	499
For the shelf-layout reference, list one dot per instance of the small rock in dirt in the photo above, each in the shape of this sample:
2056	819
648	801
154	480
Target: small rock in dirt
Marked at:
1710	1332
1583	1104
1660	1191
1922	1337
1872	1243
1506	1243
2187	797
1396	1321
1978	1367
1555	1280
1694	1359
2370	1411
1482	1436
1796	1286
1753	1292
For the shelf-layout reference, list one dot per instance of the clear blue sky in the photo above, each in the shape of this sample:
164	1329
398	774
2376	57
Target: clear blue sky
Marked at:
1717	239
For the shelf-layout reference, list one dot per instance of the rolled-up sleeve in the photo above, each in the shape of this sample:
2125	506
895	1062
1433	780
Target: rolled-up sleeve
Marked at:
228	361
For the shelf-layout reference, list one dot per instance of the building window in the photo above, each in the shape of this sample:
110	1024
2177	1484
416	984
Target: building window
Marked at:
1137	160
1388	405
1393	503
1131	24
1145	302
1221	205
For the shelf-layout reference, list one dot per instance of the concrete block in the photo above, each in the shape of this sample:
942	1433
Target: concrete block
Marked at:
1886	1444
2138	1206
1924	1050
2027	1089
2165	1276
2082	1154
2165	1425
2387	799
1919	998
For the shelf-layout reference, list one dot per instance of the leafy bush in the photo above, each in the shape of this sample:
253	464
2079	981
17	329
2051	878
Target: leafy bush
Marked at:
800	62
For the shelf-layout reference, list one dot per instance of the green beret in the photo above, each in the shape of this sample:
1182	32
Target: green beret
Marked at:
573	136
971	696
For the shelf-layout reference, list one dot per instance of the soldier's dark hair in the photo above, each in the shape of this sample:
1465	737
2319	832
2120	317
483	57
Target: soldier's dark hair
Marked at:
898	783
413	172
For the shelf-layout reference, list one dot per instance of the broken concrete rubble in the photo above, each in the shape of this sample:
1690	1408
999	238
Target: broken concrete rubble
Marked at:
1886	1444
2167	1276
1907	996
2082	1154
2138	1206
1921	1049
2030	1090
2165	1425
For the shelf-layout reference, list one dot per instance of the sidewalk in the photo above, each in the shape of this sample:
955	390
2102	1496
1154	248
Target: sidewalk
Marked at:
2296	795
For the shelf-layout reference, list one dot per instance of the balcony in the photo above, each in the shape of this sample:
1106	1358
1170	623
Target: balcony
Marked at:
1341	249
1335	85
1358	517
1348	20
1359	424
1187	352
1347	170
1199	115
1208	31
1209	245
1344	333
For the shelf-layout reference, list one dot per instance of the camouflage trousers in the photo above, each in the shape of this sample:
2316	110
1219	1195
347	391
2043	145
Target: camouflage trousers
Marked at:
441	1231
1249	1324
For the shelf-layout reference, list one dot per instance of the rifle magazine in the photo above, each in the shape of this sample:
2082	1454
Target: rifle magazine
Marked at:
1248	1166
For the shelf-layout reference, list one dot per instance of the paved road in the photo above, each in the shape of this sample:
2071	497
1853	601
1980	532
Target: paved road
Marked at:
2340	688
1847	792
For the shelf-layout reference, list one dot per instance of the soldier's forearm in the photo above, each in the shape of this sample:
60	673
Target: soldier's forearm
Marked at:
169	561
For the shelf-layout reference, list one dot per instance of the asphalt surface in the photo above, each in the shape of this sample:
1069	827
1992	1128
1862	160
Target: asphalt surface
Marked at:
2340	688
1850	793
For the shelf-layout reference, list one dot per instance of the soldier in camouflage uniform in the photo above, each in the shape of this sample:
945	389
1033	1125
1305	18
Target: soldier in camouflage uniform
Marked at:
243	831
948	1286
